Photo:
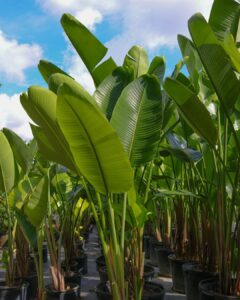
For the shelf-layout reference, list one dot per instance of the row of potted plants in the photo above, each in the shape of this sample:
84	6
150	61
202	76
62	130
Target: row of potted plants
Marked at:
146	154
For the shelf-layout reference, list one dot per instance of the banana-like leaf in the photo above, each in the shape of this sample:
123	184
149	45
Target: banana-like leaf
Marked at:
215	61
138	212
40	104
7	165
19	194
48	147
37	205
94	144
108	92
193	62
232	51
28	229
89	48
57	79
180	150
137	118
136	60
224	17
47	69
192	109
21	151
158	67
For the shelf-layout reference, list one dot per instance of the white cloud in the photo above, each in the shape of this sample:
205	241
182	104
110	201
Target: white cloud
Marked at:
89	17
13	116
58	7
15	58
76	68
149	23
88	12
154	23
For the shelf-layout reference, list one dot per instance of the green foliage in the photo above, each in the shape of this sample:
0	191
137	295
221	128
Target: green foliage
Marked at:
7	165
94	144
137	119
89	48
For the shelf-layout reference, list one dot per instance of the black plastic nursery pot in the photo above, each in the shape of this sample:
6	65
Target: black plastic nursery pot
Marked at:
206	289
151	291
103	274
148	273
100	262
163	261
73	277
73	266
82	261
209	291
45	253
14	293
177	273
32	281
193	274
154	245
146	246
73	293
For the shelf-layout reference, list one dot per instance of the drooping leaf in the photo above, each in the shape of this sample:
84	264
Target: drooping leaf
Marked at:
137	118
215	61
158	67
19	194
108	92
138	212
193	110
7	166
95	146
89	48
49	148
193	62
36	207
20	150
224	17
40	104
178	148
136	60
47	69
28	229
57	79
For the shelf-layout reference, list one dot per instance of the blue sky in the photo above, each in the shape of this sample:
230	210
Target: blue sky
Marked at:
30	30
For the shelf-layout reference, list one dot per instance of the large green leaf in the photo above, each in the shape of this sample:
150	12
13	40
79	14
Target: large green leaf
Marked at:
108	92
95	146
137	118
215	61
36	207
192	109
47	69
7	165
20	150
232	51
28	229
193	62
136	60
89	48
40	104
57	79
224	17
158	67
